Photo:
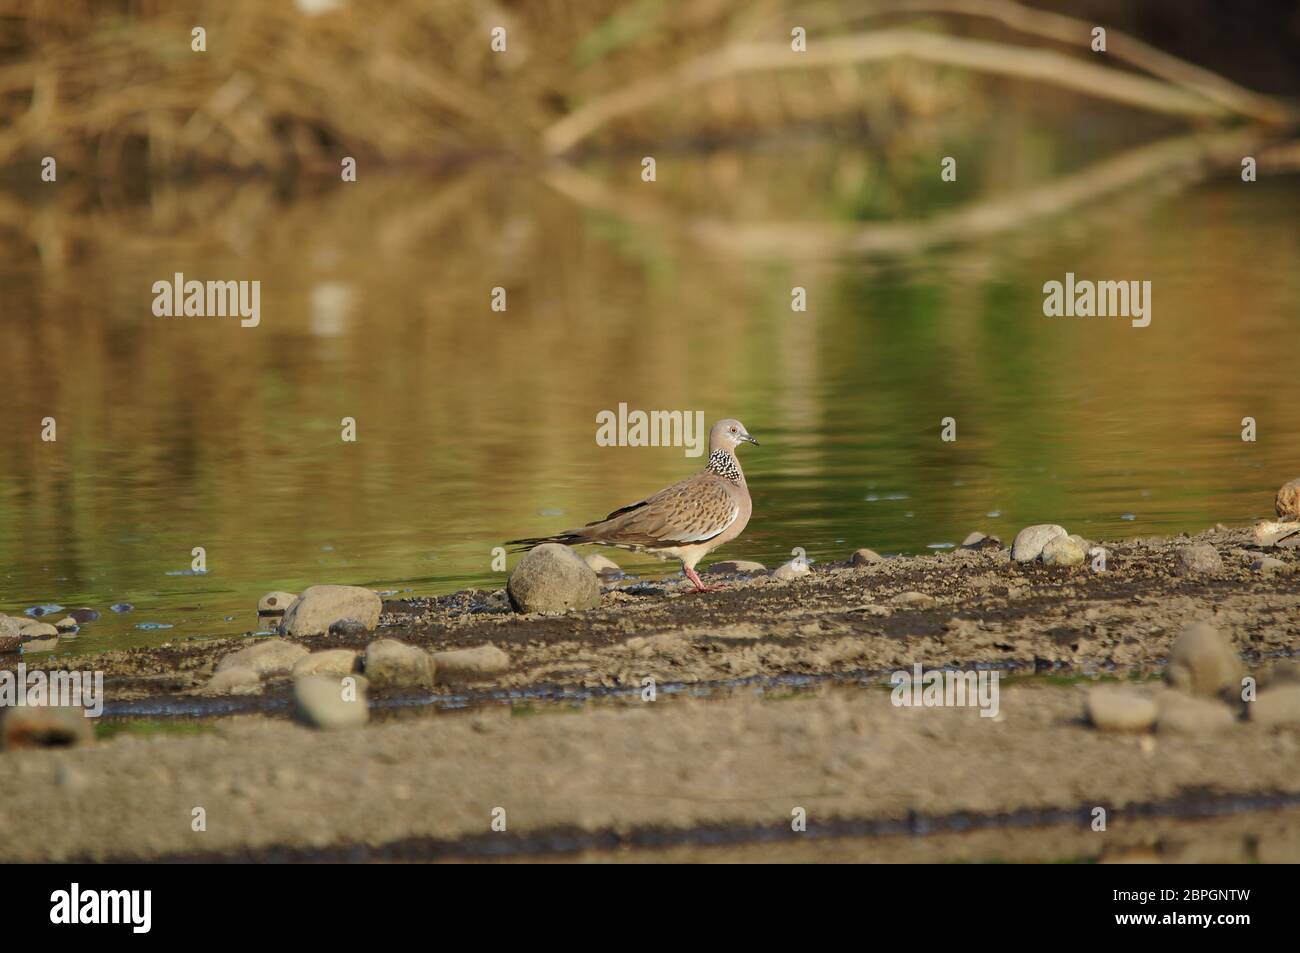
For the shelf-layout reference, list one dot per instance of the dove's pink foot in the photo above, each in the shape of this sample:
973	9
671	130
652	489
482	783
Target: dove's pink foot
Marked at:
694	577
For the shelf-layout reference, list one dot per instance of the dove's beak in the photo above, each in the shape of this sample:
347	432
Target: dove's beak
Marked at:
749	439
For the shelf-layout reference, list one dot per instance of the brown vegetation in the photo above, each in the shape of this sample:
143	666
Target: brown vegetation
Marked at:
113	85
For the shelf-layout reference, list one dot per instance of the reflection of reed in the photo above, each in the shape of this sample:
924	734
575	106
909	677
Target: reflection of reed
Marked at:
1187	158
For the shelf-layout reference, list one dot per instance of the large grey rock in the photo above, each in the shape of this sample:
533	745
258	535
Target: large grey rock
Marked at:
1203	662
1185	715
864	557
319	607
1200	559
44	726
1288	499
328	662
552	578
1062	551
233	681
265	657
1029	542
328	701
392	664
1277	706
1118	709
470	663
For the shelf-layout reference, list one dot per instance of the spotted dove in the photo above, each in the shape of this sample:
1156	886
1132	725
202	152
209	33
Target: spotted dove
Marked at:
686	521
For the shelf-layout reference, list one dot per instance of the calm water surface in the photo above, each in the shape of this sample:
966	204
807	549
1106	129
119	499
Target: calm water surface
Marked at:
475	426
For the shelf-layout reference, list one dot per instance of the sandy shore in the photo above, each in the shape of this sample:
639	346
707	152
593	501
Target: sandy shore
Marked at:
796	715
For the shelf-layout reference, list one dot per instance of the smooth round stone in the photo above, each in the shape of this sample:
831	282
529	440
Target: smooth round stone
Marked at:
1184	715
794	569
978	540
913	599
1203	662
1267	565
1201	559
470	663
551	579
275	603
389	663
233	681
1277	706
265	657
734	566
337	662
330	702
1029	542
1287	502
1118	709
1062	551
319	607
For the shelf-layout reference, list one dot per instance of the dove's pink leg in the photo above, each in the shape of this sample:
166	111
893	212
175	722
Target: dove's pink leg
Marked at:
694	577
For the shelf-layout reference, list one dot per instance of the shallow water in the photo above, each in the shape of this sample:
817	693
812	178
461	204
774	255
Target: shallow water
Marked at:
474	426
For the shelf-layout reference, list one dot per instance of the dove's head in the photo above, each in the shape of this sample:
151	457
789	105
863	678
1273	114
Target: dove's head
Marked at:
728	434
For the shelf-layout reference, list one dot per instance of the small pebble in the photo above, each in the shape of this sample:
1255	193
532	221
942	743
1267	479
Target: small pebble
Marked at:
1267	565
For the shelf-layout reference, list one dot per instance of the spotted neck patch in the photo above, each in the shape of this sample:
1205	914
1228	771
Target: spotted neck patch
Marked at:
724	465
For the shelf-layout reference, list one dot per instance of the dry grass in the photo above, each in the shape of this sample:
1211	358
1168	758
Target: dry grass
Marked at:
107	85
395	80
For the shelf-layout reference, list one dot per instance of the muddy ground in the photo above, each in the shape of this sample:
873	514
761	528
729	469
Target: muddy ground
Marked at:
770	700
